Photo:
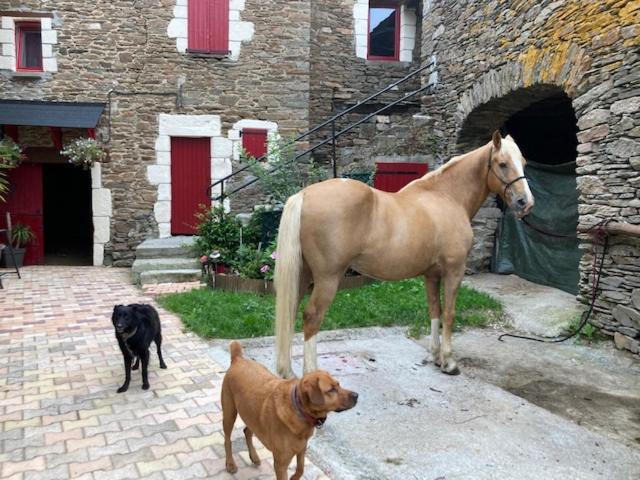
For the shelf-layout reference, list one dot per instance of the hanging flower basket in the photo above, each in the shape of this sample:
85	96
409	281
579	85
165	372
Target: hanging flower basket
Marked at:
83	152
10	153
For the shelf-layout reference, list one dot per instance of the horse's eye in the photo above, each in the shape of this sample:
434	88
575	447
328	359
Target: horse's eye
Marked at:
503	165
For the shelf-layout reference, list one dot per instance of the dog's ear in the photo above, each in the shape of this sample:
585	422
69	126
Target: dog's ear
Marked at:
319	387
311	388
115	311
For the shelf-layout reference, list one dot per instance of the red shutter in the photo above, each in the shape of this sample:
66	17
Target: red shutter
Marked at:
254	142
391	177
190	177
24	203
208	26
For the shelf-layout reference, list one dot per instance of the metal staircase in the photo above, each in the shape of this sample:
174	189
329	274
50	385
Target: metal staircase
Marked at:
331	137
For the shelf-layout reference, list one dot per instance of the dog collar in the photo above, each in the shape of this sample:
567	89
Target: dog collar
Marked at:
305	417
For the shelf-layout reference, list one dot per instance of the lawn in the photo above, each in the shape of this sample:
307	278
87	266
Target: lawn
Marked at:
219	314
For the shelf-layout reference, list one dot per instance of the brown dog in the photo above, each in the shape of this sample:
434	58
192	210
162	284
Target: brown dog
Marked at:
282	413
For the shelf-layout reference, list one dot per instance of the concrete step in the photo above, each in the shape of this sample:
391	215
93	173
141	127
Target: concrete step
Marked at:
166	248
163	263
169	276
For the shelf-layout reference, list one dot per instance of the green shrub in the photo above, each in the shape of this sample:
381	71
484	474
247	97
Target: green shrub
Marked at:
218	230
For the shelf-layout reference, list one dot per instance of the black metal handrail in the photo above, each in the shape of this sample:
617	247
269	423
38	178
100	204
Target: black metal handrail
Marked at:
334	135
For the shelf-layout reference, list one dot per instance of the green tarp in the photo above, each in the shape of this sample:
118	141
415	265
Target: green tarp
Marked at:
531	255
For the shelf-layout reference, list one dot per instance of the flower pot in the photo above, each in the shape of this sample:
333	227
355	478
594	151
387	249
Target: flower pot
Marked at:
221	268
18	254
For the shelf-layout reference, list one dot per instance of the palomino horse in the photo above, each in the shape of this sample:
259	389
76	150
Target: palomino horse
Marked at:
424	229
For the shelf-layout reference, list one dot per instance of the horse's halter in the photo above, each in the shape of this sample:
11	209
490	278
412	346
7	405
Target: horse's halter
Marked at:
502	180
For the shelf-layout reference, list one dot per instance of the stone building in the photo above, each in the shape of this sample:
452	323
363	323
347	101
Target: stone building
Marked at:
561	76
564	78
151	72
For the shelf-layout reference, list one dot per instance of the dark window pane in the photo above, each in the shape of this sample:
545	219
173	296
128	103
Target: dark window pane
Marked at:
31	49
382	32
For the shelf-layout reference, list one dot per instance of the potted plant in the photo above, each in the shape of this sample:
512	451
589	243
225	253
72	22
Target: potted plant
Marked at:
83	152
21	235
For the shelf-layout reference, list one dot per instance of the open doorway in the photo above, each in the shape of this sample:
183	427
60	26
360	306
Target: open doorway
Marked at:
542	121
68	223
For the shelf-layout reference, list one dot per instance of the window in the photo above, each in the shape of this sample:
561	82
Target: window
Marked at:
254	142
28	46
384	31
208	26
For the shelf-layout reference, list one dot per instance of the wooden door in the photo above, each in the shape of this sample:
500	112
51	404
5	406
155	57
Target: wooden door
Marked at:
190	178
24	203
391	177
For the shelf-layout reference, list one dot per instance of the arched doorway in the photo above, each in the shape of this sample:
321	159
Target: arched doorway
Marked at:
542	121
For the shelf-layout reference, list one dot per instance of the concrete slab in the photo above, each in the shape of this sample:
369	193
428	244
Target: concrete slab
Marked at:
530	307
412	422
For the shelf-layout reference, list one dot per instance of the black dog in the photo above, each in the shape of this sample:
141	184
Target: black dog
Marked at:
136	326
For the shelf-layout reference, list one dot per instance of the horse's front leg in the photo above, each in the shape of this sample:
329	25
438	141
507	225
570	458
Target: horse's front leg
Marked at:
451	284
324	291
432	285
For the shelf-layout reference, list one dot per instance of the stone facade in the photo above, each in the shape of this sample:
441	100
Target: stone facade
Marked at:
125	48
496	58
291	64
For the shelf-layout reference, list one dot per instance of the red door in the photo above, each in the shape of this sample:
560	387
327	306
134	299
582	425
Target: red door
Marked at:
391	177
24	203
254	142
190	178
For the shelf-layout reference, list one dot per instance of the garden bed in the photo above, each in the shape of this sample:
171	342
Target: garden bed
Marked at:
236	283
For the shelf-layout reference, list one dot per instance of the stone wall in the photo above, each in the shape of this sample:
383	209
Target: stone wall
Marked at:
124	47
491	50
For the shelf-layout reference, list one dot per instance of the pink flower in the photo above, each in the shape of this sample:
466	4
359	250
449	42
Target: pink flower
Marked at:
274	254
264	268
203	259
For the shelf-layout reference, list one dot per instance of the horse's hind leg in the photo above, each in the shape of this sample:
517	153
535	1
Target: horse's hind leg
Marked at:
432	285
451	284
324	291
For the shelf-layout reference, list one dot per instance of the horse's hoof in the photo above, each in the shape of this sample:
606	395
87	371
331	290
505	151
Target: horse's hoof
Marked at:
454	371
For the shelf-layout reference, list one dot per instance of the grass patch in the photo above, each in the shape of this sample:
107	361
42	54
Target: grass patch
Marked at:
588	334
219	314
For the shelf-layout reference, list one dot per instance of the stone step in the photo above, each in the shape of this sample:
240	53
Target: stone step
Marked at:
166	247
169	276
164	263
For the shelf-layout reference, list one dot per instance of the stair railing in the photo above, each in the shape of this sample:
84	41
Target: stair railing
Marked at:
330	139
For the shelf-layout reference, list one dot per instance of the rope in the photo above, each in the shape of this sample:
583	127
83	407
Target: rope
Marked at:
600	237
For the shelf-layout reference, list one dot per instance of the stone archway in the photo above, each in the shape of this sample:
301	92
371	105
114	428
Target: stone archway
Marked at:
542	121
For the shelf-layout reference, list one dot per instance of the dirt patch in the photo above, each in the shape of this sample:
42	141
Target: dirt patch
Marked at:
612	414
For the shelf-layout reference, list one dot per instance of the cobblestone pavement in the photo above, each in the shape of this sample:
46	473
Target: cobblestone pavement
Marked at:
60	366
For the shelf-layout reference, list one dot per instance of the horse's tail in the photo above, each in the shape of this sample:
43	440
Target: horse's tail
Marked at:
287	280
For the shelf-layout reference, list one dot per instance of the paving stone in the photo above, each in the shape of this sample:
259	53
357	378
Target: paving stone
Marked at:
65	419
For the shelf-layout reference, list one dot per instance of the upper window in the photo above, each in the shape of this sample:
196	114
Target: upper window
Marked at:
28	46
384	31
208	26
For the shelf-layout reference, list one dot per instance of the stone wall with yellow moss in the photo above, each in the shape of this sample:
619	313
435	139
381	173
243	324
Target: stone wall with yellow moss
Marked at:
506	54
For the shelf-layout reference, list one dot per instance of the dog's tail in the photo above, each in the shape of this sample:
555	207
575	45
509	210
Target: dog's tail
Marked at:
287	280
235	349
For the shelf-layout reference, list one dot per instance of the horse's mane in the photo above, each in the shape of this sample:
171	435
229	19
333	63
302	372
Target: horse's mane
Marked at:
458	159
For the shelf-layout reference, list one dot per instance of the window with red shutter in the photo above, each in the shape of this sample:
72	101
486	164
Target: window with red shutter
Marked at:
254	142
28	46
208	26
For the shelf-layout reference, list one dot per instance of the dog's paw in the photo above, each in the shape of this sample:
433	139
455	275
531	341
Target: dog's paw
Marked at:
256	461
123	389
135	367
232	467
163	365
145	386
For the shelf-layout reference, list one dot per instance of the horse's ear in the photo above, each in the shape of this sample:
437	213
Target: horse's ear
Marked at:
497	140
